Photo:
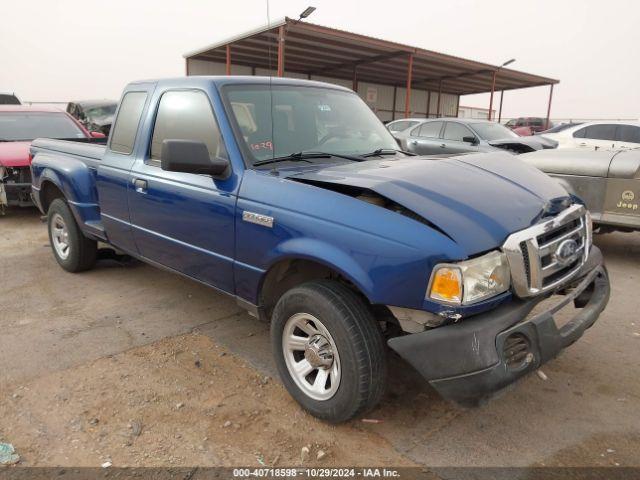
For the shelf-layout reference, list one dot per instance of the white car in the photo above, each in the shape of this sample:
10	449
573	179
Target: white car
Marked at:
596	135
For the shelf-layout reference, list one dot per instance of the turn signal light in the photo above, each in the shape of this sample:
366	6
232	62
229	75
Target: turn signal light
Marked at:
447	285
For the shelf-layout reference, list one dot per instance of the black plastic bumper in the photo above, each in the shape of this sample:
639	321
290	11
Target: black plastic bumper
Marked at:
467	362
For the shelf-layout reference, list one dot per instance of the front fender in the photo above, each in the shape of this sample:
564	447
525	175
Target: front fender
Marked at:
328	255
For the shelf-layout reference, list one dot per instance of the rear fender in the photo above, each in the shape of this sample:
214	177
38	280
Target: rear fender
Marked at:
73	178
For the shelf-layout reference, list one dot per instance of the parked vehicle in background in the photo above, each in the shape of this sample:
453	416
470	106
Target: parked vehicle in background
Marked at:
95	115
290	196
19	125
596	135
7	98
528	124
559	128
607	180
456	135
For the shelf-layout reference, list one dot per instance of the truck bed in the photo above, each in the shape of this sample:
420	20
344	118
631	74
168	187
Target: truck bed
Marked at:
88	150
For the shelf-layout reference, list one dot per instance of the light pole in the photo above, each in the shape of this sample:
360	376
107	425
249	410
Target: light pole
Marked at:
493	86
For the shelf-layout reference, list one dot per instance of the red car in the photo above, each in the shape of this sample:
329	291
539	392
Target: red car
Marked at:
19	125
525	126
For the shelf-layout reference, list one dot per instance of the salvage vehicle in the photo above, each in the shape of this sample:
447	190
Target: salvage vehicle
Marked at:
19	125
95	115
595	135
456	135
529	124
310	217
608	181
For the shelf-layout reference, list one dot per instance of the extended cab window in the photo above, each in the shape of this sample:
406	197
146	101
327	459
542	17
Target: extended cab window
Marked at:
186	115
123	135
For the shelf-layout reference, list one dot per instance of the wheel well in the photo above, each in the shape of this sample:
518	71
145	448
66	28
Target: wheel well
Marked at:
48	194
286	274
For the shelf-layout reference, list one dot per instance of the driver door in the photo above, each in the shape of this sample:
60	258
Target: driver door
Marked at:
184	221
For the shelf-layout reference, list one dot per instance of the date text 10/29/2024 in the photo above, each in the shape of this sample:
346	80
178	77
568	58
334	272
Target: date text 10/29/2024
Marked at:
315	473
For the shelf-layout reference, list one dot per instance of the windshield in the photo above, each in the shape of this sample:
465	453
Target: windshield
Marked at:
103	111
298	119
493	131
15	126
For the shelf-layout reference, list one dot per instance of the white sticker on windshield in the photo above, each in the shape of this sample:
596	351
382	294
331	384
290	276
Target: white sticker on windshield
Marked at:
324	108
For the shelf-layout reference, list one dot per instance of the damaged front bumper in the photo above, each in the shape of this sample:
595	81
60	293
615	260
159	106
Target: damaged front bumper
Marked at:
15	187
470	361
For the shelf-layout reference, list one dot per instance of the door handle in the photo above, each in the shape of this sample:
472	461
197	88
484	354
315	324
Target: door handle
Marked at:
140	185
443	145
414	142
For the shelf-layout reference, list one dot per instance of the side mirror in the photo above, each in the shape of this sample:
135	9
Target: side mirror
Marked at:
471	139
97	135
189	156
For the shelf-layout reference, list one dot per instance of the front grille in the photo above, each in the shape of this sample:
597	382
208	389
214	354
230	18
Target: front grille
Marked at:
549	253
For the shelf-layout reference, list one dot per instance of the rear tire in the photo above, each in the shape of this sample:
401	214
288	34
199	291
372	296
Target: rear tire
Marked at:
336	367
72	250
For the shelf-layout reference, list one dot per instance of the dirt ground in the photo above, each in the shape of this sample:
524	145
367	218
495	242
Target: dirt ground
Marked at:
139	367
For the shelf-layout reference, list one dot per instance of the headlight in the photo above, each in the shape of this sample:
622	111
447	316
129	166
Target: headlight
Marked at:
470	281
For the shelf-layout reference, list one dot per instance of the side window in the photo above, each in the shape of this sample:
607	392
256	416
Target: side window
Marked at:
580	133
456	132
123	134
430	129
186	115
601	132
628	133
398	126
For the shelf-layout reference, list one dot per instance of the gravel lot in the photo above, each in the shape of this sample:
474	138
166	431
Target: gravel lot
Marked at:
136	366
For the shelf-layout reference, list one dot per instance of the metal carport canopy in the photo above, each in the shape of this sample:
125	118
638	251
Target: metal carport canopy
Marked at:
306	48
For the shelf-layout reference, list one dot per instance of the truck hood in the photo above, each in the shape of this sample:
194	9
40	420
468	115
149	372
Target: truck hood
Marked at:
14	154
476	200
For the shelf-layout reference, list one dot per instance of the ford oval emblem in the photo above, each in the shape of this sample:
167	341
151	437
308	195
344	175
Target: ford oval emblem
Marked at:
567	252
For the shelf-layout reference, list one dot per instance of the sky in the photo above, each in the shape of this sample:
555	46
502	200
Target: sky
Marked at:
61	50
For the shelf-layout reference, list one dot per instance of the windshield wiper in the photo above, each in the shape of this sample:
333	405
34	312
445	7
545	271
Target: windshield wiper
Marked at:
304	157
386	151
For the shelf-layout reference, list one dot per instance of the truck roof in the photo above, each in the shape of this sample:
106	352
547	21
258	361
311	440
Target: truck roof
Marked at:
220	80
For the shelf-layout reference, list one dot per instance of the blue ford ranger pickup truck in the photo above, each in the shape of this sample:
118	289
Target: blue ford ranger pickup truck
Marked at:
292	197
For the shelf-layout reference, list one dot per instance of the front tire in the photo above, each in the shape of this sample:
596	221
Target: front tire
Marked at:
329	350
72	250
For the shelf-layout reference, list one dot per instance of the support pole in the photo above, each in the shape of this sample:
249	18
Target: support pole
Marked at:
407	100
500	110
439	99
354	85
457	106
428	102
393	109
228	65
549	106
281	51
493	87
